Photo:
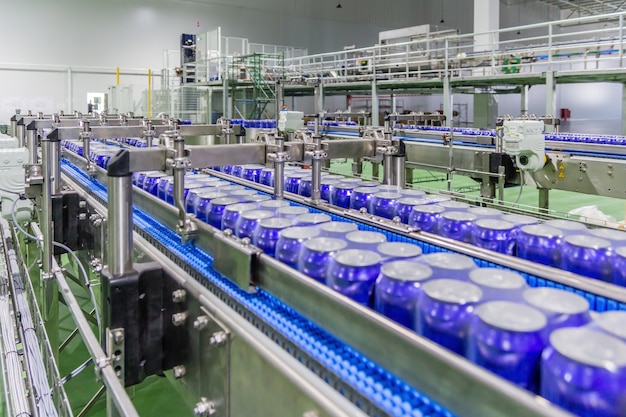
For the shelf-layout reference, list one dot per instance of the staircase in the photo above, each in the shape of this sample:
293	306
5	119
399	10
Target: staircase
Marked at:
249	71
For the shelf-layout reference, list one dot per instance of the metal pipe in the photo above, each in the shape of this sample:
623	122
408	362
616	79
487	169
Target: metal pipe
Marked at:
31	144
120	228
388	169
19	134
179	181
55	167
399	173
279	170
316	175
46	209
279	97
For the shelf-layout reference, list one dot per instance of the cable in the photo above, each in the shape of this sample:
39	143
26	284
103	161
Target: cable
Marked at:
80	368
66	249
521	188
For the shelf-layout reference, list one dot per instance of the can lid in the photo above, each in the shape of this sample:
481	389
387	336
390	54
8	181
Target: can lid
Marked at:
325	244
406	271
508	315
613	322
366	190
454	261
389	187
338	227
345	185
313	218
459	216
252	166
273	204
399	249
541	230
267	169
553	300
299	232
411	192
258	198
366	237
276	222
257	214
351	180
357	257
497	278
454	204
519	219
369	184
610	234
590	347
388	195
292	210
484	211
452	291
429	208
211	193
621	251
587	241
412	201
329	181
565	224
224	201
241	207
242	192
297	175
494	224
334	177
437	198
231	188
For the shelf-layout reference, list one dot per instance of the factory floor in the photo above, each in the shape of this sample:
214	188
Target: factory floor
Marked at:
156	396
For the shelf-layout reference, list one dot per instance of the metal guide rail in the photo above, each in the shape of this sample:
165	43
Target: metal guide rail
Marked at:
403	346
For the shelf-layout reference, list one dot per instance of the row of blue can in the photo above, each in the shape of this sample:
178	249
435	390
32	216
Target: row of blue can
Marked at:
258	124
462	307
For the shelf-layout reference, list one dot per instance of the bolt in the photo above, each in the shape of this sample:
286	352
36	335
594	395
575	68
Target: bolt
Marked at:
118	337
179	319
82	204
179	296
82	216
204	407
179	371
201	323
218	338
245	241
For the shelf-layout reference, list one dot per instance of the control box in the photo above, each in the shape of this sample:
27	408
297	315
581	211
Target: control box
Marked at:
524	140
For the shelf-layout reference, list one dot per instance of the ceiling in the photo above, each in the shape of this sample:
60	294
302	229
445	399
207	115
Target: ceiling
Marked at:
578	8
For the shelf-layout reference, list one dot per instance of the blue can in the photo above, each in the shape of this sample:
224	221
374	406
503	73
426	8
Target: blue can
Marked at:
327	187
398	251
619	267
397	290
356	182
202	202
449	265
507	338
454	205
361	197
314	256
611	322
267	177
254	198
498	284
539	243
163	185
251	173
192	196
216	210
405	206
237	171
444	308
232	214
306	186
273	205
292	181
584	371
189	185
267	233
567	227
588	255
365	240
312	219
384	204
151	182
457	225
616	237
341	194
485	212
426	217
562	308
141	176
248	221
291	212
368	184
136	175
437	198
496	235
228	189
519	220
334	177
353	273
242	195
337	229
290	242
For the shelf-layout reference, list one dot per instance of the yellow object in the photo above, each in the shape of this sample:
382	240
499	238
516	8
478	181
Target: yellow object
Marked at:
117	76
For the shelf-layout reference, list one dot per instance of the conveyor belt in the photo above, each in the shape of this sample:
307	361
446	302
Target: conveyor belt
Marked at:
369	386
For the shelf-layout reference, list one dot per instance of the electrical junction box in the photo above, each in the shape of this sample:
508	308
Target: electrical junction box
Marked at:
290	120
524	140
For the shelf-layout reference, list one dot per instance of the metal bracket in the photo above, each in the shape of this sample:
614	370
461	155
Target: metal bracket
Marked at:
234	258
116	352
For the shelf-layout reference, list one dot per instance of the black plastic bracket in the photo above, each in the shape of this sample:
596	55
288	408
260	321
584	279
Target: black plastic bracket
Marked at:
65	210
141	303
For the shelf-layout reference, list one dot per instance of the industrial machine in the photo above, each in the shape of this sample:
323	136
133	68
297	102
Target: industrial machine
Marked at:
236	329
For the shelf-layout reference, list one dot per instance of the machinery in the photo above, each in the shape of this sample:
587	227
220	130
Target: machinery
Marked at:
239	332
